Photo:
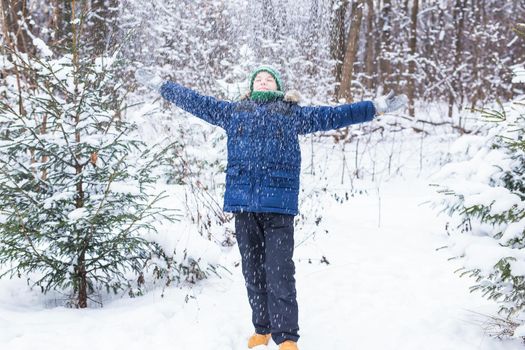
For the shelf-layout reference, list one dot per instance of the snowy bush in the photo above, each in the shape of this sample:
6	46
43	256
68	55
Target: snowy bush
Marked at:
485	197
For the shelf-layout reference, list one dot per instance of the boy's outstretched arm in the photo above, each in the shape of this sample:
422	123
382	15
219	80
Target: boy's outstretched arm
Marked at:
324	118
312	119
208	108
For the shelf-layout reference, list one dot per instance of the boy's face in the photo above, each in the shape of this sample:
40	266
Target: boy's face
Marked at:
264	81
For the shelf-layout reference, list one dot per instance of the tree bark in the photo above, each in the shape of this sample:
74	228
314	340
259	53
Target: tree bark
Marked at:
370	61
14	16
411	88
102	25
352	43
79	196
456	91
386	44
337	39
312	39
82	281
62	22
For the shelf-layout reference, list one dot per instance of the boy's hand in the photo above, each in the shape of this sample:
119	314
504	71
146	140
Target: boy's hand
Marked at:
148	78
389	103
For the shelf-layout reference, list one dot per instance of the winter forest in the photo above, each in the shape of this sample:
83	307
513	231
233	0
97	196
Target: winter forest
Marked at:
410	230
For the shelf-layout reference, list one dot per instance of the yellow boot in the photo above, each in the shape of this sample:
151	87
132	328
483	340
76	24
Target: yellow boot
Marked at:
288	345
258	339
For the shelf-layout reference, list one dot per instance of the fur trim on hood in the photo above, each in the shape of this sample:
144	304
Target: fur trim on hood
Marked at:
292	96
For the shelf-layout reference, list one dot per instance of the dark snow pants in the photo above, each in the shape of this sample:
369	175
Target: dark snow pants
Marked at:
266	245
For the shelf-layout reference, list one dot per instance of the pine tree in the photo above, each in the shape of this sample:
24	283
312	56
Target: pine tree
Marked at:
486	195
77	187
489	203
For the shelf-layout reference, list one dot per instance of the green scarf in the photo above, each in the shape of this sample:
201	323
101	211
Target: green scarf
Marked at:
266	96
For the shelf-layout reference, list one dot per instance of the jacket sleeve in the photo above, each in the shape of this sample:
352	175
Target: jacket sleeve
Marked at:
210	109
324	118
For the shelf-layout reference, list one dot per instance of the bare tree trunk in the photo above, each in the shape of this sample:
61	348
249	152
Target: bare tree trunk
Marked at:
478	54
61	22
82	281
400	71
80	268
386	43
14	29
412	64
351	51
102	25
313	37
337	40
14	16
378	45
458	58
370	62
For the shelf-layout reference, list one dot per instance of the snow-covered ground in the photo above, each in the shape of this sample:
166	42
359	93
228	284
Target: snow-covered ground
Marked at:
385	287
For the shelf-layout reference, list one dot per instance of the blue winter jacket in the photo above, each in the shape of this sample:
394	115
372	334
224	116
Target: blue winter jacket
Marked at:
264	157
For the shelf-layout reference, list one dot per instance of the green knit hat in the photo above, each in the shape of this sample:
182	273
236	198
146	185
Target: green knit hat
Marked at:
275	74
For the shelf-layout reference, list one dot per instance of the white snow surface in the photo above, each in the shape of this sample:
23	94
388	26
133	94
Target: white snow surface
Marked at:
386	287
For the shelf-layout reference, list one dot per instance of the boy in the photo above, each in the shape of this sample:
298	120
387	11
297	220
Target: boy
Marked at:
262	185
